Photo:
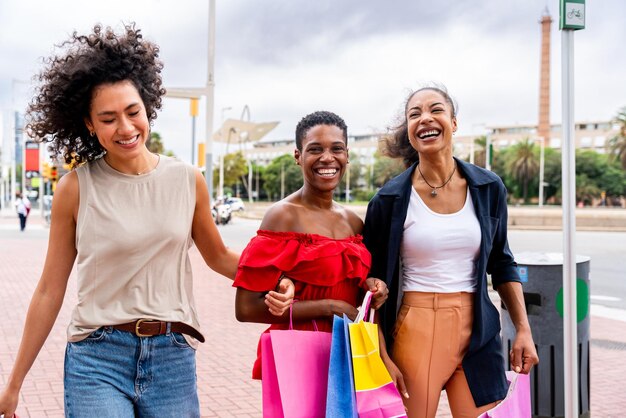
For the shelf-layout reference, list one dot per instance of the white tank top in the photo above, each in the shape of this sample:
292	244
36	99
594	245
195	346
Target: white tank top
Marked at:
133	234
438	251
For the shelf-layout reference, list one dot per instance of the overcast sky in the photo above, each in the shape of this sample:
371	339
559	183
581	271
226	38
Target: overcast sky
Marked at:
358	58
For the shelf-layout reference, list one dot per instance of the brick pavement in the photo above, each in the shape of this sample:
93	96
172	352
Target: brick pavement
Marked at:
224	362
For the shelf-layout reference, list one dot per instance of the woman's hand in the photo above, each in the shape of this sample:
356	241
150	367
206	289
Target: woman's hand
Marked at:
523	353
279	300
8	403
379	290
340	307
396	375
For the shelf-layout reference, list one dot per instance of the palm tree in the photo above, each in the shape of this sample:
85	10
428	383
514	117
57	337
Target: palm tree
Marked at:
523	164
618	142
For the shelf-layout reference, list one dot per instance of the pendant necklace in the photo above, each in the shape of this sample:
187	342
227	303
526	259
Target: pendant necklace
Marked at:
433	192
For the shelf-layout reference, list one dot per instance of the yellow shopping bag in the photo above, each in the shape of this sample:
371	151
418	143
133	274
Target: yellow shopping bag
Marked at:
376	394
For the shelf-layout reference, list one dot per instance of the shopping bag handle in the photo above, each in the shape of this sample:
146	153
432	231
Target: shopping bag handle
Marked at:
364	308
291	317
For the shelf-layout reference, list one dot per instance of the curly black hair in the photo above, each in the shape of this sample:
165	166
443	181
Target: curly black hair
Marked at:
321	117
396	144
57	112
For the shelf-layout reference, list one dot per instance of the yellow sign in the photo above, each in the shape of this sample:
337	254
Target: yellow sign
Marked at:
201	158
194	107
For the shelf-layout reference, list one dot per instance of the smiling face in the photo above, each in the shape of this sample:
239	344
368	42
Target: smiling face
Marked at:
118	118
430	121
323	157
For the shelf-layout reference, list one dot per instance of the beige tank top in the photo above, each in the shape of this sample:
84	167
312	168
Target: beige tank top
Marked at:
132	236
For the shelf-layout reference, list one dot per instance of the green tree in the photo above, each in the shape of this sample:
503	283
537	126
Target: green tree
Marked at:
586	189
601	171
235	166
618	142
283	170
386	168
155	145
523	165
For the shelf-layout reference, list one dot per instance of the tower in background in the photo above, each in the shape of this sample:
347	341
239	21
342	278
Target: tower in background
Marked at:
543	129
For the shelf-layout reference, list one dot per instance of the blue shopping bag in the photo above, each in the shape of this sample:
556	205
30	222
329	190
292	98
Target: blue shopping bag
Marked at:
340	394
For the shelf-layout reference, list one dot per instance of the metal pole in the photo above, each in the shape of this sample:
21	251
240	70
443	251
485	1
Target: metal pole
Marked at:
258	192
246	111
568	173
41	190
282	180
210	92
193	140
347	183
541	168
221	179
250	181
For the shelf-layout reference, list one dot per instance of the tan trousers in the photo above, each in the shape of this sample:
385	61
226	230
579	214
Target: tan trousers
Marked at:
432	334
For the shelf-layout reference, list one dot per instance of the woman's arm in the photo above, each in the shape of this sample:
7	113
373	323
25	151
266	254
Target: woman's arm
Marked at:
222	259
393	370
50	292
523	353
251	307
206	236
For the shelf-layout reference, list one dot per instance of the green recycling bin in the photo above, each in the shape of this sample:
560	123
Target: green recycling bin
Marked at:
542	280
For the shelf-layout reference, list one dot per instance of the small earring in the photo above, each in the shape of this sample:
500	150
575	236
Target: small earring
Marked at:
92	133
348	162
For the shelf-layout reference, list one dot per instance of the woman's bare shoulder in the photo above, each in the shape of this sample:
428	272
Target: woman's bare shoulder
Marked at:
281	216
355	222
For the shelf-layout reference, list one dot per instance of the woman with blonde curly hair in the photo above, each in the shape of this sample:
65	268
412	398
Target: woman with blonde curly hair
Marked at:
127	217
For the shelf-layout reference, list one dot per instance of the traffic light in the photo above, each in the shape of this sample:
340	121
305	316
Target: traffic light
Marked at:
53	173
46	170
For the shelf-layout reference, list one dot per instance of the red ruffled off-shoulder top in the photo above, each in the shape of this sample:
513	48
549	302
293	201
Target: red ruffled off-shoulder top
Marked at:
321	268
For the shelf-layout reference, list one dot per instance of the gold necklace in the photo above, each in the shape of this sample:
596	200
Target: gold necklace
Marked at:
150	168
433	192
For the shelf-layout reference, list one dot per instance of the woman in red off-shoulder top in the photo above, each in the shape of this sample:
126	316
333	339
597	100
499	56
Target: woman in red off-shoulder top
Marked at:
310	239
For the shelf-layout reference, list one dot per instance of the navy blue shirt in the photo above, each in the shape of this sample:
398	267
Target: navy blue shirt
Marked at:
384	224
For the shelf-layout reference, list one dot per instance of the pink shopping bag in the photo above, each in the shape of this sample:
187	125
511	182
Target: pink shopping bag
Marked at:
516	404
295	373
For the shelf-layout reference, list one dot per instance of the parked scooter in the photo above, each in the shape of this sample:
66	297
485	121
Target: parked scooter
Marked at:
221	213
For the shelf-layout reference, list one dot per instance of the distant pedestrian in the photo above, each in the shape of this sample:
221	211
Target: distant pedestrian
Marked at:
127	217
22	207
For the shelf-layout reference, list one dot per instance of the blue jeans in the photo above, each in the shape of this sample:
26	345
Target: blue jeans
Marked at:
116	374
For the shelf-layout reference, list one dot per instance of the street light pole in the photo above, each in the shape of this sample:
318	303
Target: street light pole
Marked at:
210	93
246	110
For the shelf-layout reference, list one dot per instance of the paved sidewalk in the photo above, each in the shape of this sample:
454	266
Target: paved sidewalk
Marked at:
224	362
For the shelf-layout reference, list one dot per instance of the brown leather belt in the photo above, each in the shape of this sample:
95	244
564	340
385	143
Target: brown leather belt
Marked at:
150	328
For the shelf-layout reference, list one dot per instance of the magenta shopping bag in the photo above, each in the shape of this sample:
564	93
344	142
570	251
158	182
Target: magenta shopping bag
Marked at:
516	404
295	373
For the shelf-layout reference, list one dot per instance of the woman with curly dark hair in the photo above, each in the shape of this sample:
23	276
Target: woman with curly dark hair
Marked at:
127	217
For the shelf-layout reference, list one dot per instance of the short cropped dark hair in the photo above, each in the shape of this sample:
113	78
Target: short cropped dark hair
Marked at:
57	112
321	117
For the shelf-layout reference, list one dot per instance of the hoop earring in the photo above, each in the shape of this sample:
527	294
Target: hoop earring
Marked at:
92	133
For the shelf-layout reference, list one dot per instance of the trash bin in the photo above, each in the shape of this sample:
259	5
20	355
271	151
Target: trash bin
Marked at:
542	280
